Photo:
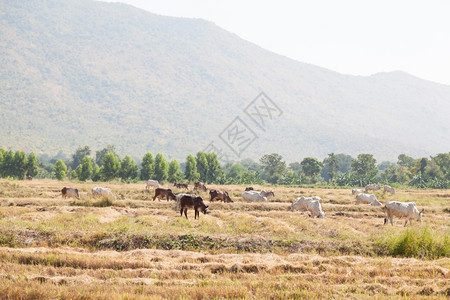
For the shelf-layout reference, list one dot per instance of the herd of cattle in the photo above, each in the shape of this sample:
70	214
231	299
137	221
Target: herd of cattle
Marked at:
313	205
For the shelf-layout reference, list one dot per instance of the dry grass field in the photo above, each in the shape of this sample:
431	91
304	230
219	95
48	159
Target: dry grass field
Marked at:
132	247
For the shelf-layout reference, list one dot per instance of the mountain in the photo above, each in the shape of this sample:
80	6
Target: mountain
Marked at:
79	72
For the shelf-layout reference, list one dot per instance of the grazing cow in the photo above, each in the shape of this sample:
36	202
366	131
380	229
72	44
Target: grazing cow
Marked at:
249	188
309	204
164	193
356	191
194	202
152	184
373	187
181	185
389	189
179	196
68	192
253	196
199	186
100	191
406	210
220	196
367	199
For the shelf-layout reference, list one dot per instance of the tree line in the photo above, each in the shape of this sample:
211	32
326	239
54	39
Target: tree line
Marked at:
333	170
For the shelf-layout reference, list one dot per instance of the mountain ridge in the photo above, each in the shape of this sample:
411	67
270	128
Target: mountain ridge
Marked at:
93	73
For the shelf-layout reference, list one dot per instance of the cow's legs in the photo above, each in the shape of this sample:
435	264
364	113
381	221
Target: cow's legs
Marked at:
185	212
406	223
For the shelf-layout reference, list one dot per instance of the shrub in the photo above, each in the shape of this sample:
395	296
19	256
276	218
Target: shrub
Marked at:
419	242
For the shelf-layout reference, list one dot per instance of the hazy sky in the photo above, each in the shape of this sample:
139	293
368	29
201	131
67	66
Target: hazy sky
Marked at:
356	37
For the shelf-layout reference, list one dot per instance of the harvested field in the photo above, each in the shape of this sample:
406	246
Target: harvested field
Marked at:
133	247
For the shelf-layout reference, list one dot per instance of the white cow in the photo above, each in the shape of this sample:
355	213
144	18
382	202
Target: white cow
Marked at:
101	191
367	199
309	204
263	193
356	191
389	189
254	196
153	184
373	187
406	210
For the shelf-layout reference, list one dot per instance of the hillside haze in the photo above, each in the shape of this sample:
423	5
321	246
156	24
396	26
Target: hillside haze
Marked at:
92	73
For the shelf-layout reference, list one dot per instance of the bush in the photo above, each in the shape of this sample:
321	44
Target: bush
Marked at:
419	242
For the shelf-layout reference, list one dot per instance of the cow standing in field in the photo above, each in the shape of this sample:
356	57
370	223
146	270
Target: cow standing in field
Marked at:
257	196
367	199
356	191
406	210
192	202
164	193
372	187
101	191
199	186
69	192
309	204
152	184
389	189
220	196
181	185
179	196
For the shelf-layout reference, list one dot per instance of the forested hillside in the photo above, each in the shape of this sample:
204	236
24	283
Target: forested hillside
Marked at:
80	72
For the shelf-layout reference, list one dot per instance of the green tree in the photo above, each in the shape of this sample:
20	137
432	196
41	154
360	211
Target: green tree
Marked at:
96	175
60	170
235	171
175	174
190	170
2	153
8	164
405	160
332	164
273	167
161	168
311	167
101	153
365	166
85	169
20	164
111	167
147	167
296	167
78	156
214	170
32	165
442	160
128	169
202	166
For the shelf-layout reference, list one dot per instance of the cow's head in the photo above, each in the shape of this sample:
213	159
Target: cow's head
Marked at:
291	208
420	215
321	215
227	197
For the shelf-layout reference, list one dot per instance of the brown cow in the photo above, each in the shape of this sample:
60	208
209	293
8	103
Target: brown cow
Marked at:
68	192
194	202
181	185
220	196
249	189
163	193
199	186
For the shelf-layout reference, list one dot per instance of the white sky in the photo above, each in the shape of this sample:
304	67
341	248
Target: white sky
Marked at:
355	37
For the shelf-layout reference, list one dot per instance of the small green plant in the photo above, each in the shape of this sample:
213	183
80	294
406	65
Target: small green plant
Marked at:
420	242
